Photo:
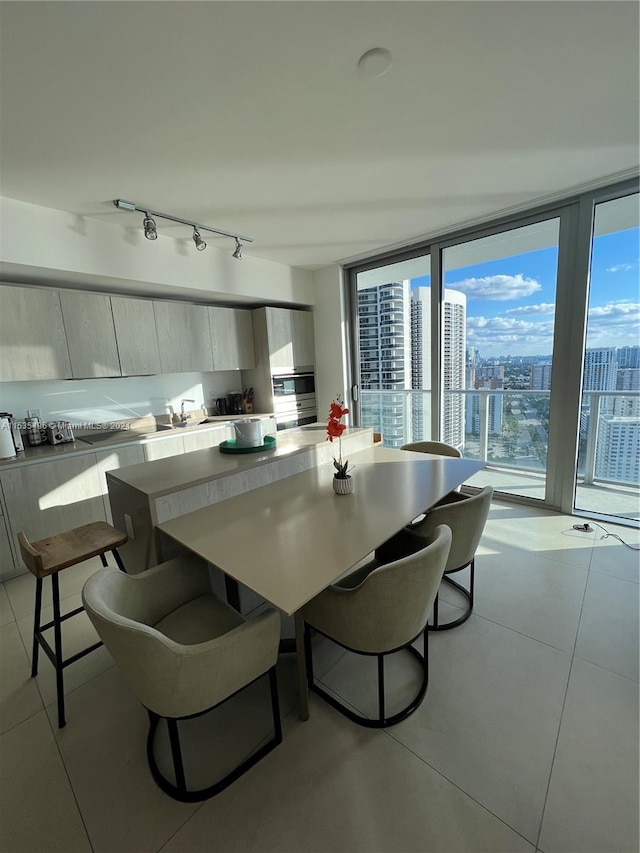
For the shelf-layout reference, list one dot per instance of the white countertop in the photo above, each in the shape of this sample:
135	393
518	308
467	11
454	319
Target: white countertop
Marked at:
164	476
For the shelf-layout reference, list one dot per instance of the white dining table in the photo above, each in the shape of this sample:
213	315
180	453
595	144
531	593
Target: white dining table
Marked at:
289	540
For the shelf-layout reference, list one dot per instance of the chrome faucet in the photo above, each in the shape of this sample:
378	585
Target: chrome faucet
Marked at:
184	417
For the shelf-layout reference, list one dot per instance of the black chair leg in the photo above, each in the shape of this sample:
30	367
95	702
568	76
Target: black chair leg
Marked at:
381	688
36	628
176	754
58	650
118	559
103	560
275	705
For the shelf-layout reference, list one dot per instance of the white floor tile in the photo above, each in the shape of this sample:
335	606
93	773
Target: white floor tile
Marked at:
592	804
608	634
22	590
538	597
77	634
332	786
19	697
490	718
38	811
543	533
104	751
611	557
6	613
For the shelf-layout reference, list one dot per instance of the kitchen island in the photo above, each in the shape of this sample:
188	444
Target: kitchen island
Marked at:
143	496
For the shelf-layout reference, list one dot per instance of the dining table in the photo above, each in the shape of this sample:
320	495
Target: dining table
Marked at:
291	539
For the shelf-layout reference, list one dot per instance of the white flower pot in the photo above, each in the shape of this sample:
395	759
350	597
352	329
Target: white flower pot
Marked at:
343	486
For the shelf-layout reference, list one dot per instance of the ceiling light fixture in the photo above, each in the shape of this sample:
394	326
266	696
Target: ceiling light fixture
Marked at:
151	232
197	239
150	229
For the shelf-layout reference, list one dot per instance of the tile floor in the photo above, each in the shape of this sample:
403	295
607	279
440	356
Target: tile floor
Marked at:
527	740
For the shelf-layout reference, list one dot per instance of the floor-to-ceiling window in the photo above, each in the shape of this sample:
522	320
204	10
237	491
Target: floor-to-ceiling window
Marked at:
480	339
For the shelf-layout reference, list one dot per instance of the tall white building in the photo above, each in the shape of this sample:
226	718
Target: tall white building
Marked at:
618	449
600	368
540	377
628	357
454	346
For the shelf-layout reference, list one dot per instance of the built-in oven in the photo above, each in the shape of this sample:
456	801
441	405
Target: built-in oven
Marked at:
298	385
290	420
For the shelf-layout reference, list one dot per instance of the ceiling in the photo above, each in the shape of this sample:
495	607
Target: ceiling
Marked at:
253	116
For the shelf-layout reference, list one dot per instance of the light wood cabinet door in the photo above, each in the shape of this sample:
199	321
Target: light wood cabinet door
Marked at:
184	338
200	440
33	344
136	336
160	448
52	497
91	336
231	338
304	351
7	567
290	338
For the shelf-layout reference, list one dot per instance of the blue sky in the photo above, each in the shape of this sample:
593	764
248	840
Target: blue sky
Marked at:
511	301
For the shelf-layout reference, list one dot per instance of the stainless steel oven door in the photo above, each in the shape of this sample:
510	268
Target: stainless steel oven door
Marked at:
299	385
290	420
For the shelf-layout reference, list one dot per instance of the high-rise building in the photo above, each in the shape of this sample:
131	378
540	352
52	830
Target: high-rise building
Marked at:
628	357
454	339
600	368
540	377
385	359
628	379
618	449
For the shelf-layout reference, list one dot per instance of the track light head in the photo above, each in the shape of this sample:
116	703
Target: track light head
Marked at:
197	239
238	252
149	225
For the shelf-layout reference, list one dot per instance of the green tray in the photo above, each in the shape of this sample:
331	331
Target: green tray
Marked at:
230	446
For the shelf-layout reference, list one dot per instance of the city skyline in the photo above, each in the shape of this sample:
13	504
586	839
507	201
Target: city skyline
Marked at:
511	301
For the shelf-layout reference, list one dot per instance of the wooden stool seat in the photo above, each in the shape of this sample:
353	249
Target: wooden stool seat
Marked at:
47	557
66	549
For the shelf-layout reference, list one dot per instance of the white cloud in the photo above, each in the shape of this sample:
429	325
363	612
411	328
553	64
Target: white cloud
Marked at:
620	268
540	308
614	324
499	287
491	331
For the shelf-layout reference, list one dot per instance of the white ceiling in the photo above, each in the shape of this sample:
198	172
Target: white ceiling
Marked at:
252	116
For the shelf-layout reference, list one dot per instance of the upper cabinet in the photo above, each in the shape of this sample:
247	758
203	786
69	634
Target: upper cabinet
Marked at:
288	334
91	336
232	338
136	336
184	338
33	344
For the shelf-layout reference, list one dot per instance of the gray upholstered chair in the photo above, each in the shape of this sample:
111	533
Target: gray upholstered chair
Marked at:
378	610
439	448
182	651
466	516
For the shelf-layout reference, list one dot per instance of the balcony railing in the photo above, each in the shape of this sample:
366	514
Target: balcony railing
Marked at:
508	429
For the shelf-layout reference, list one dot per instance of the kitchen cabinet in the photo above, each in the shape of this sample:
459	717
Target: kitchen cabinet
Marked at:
184	338
91	335
288	336
231	338
201	439
7	568
136	336
161	448
112	459
33	344
53	496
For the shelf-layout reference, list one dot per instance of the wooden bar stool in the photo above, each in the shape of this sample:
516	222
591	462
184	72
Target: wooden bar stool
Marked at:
47	557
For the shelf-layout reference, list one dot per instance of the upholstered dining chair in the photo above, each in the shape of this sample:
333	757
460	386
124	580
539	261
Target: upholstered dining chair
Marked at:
466	516
378	610
182	651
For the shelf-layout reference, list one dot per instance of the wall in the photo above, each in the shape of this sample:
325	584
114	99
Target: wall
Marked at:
330	325
99	400
39	244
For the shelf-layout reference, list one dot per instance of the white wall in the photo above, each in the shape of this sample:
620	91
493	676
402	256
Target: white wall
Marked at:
99	400
41	244
330	324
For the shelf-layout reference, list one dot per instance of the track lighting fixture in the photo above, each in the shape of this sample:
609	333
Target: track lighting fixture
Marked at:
151	231
197	239
149	225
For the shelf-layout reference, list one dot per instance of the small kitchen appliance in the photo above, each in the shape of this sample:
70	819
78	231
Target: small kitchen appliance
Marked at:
249	432
7	447
35	433
234	403
59	432
14	426
221	405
